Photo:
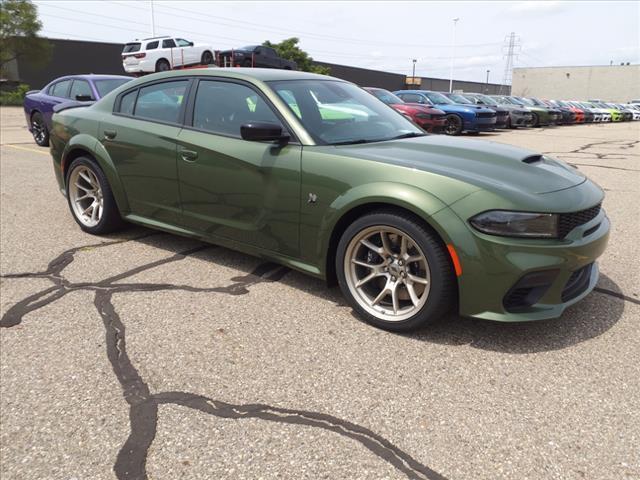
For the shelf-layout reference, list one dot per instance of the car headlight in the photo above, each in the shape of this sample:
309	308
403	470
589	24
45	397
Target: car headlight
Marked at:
516	224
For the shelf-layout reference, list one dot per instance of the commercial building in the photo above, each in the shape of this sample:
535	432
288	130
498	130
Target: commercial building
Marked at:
614	83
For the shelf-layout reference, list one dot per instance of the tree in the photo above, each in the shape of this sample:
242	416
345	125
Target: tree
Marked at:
289	50
19	27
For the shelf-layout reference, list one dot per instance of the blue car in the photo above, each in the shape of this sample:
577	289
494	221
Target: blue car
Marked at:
460	118
38	104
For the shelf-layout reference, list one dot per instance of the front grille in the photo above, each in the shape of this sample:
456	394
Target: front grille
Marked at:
578	282
438	116
486	114
569	221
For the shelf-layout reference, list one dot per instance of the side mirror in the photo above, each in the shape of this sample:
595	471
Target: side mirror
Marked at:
191	44
262	132
84	98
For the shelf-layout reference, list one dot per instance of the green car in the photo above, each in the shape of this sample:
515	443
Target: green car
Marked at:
319	175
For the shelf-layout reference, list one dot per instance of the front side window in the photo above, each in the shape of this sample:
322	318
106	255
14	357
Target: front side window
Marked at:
411	98
437	98
223	107
387	97
169	43
161	101
459	99
182	42
335	112
60	89
81	88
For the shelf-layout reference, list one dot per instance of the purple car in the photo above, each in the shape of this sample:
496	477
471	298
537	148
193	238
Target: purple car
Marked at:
38	104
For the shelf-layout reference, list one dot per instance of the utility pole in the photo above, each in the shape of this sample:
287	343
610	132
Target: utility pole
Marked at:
486	90
453	54
414	68
512	43
153	22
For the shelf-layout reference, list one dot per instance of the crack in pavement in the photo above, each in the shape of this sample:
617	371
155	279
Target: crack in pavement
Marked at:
619	144
131	460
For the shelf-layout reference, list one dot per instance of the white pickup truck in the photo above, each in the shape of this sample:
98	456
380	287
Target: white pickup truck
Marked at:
159	54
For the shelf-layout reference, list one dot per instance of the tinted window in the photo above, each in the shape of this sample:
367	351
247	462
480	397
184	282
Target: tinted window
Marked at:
80	88
152	45
168	43
131	47
411	98
108	84
269	52
182	42
386	96
127	102
60	89
161	101
222	107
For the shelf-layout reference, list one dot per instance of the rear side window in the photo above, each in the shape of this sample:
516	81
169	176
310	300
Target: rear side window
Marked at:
108	84
60	89
168	43
127	102
131	47
161	101
80	88
223	107
152	45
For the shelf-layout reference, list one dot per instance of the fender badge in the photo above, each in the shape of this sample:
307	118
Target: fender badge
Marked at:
313	198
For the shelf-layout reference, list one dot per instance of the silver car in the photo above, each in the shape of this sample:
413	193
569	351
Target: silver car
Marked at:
519	116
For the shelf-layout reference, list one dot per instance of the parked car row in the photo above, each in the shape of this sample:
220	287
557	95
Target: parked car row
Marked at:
455	113
159	54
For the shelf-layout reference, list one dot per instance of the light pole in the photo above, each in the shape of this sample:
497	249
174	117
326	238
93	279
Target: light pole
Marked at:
153	22
414	68
486	89
453	54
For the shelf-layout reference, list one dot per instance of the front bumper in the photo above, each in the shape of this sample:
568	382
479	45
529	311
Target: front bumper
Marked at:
521	120
480	124
493	266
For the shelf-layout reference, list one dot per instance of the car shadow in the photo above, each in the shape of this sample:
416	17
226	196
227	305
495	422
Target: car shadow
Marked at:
588	319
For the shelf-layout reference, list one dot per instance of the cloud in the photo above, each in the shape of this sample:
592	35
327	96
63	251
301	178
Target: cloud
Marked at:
532	7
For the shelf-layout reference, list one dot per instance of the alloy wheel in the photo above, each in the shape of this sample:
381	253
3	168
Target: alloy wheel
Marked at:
86	197
387	273
38	129
452	126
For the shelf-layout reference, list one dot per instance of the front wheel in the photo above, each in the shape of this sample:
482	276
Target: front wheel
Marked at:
536	120
39	130
207	58
453	126
395	273
90	198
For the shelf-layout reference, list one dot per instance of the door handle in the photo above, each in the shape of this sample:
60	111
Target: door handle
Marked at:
110	134
189	155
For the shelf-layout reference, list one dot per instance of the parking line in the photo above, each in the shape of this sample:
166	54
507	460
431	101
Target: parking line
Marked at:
25	148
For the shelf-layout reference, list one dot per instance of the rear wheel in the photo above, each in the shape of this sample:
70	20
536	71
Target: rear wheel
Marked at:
162	65
39	130
207	58
91	199
536	120
395	273
453	126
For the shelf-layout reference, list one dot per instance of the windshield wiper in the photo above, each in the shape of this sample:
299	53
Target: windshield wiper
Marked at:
409	135
353	142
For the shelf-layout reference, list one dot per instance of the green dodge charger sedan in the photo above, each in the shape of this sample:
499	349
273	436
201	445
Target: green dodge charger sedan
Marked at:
319	175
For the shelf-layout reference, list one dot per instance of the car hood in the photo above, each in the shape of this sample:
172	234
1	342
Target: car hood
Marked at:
459	108
487	165
418	107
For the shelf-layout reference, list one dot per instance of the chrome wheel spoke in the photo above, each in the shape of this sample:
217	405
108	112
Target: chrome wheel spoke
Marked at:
362	263
403	246
394	299
368	278
386	244
85	196
416	279
383	293
372	247
412	294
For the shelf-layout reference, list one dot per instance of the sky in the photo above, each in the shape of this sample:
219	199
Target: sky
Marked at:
379	35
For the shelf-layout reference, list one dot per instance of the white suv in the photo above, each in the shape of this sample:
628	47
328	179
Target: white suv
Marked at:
159	54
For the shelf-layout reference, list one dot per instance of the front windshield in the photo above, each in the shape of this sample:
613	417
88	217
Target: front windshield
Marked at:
537	102
106	85
525	101
386	96
513	101
437	98
459	99
335	112
485	99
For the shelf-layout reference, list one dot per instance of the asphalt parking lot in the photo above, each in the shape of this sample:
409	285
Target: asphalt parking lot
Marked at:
149	355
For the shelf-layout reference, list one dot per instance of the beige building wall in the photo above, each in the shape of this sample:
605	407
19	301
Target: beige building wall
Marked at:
615	83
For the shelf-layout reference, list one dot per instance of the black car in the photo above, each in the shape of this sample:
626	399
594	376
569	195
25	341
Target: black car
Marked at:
254	56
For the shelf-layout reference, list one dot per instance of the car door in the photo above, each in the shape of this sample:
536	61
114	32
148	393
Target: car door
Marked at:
240	190
140	138
189	54
264	58
173	53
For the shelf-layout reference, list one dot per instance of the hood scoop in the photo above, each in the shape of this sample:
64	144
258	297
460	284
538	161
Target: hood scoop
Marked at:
532	159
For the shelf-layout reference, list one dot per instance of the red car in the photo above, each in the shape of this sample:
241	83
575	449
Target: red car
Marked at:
428	118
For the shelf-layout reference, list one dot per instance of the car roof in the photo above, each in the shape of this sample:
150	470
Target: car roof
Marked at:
88	76
262	74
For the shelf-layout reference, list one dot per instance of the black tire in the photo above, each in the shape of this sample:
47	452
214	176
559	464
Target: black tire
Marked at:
509	124
442	294
536	120
111	220
247	63
207	58
162	65
39	129
453	126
